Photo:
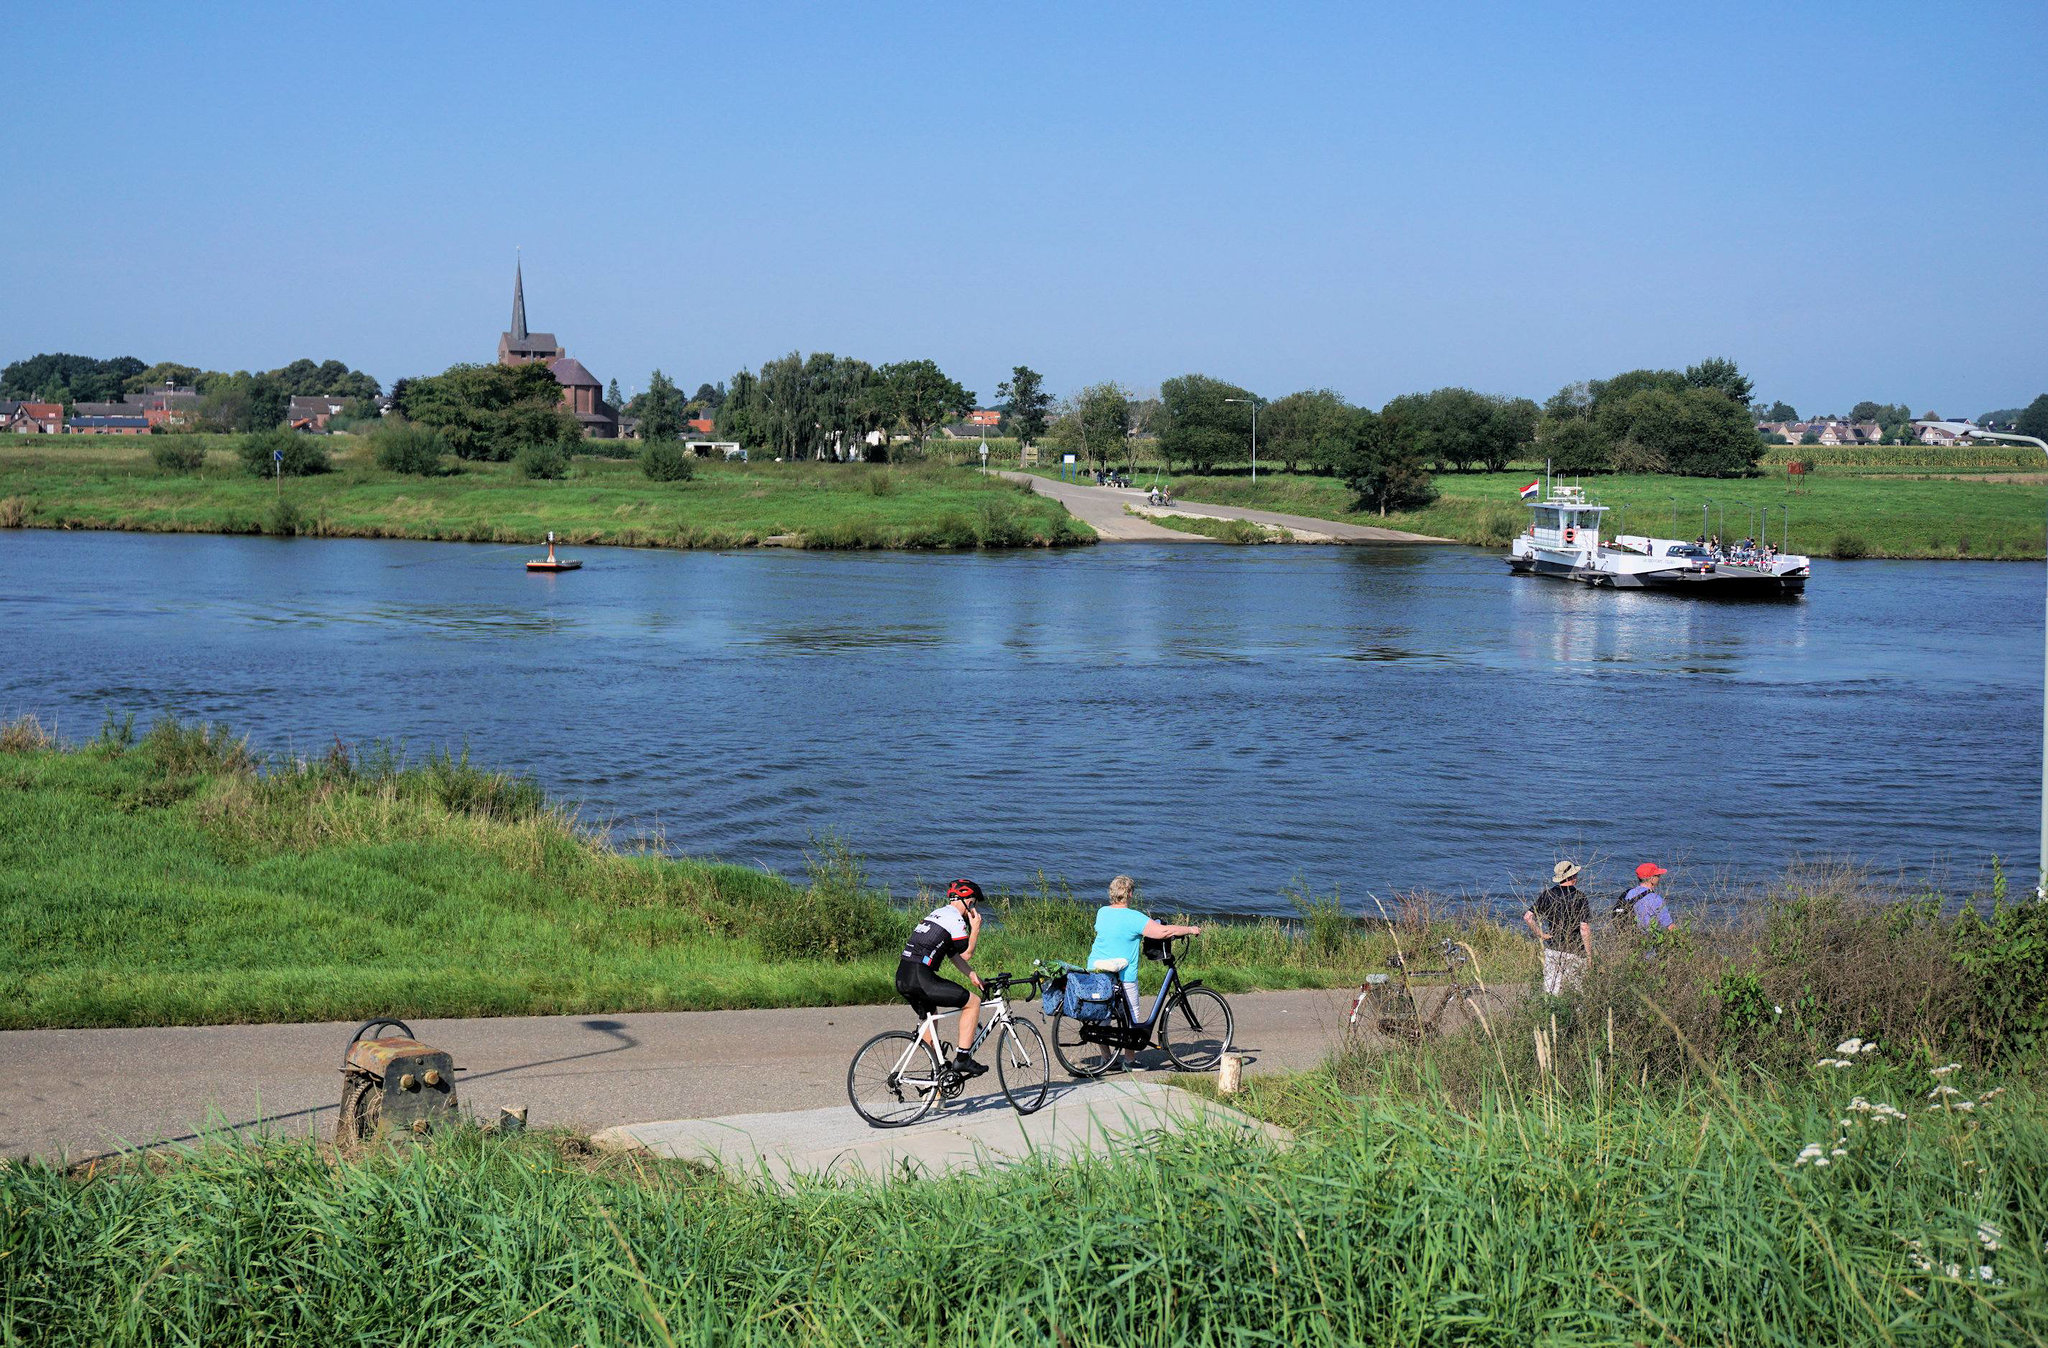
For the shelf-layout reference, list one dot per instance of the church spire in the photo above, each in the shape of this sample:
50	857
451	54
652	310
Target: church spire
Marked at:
518	304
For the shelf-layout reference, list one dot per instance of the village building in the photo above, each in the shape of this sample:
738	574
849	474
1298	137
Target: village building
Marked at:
311	412
36	419
582	394
108	425
1934	431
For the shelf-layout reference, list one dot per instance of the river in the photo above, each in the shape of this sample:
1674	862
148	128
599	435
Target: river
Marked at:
1215	720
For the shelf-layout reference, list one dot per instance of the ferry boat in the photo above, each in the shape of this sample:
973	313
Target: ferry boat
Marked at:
1563	541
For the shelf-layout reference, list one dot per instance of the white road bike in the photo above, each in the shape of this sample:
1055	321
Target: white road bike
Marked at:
897	1077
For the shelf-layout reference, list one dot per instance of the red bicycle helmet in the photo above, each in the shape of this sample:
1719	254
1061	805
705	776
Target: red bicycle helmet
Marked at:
964	889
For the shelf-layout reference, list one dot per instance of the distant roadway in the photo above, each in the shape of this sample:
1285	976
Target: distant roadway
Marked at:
1103	510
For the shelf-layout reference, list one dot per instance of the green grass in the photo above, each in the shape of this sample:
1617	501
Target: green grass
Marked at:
1226	531
1537	1217
168	882
1932	518
107	483
1877	509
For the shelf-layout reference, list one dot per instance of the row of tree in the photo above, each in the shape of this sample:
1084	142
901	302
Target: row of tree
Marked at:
239	401
822	405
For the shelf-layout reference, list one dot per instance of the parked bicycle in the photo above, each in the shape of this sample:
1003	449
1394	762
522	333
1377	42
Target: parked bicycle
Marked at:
899	1075
1390	1003
1191	1022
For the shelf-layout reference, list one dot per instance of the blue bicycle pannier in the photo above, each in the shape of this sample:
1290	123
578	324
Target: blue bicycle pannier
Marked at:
1054	999
1089	996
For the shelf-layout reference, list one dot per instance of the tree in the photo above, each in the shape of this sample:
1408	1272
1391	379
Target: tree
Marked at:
1198	424
1383	471
613	397
1574	445
1719	373
1314	427
1699	432
242	402
738	416
1028	403
270	452
491	412
1783	411
922	397
1457	429
162	373
2034	420
74	379
661	411
1573	400
1884	414
711	395
330	377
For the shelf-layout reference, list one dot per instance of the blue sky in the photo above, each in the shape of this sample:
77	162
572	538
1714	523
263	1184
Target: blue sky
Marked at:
1846	198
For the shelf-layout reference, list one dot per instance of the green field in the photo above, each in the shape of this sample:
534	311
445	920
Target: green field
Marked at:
1834	513
89	482
168	882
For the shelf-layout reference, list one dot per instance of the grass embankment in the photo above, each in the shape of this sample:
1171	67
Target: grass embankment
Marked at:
1834	513
1224	531
88	482
1640	1185
1902	501
168	880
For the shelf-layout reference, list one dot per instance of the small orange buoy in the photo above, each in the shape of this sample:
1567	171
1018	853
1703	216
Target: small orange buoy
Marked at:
551	562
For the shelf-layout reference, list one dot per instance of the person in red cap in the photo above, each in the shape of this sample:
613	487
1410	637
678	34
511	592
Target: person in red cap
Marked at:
1644	900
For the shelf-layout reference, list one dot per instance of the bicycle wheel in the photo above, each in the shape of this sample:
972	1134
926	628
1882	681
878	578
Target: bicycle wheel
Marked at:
893	1080
1081	1058
1194	1029
1022	1065
1454	1014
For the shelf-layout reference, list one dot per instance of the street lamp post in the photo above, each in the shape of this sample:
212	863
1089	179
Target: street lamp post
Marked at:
1255	431
2041	880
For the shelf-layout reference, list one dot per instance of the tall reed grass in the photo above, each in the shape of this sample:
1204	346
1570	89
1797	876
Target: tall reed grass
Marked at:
1640	1217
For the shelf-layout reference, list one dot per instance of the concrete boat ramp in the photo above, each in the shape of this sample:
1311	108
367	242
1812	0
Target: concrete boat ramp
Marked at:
1100	1118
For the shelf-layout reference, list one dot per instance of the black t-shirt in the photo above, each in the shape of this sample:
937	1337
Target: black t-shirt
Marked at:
943	932
1561	909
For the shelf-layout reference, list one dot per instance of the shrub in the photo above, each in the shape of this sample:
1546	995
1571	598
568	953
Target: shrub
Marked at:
1848	547
547	463
284	518
839	917
406	448
13	513
177	454
666	461
303	455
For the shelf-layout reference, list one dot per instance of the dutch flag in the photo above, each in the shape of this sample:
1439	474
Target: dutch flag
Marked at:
1530	490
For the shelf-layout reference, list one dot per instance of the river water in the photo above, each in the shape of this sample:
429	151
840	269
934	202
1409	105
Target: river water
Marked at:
1215	720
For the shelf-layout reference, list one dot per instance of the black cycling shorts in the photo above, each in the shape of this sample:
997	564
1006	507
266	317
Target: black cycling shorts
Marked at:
926	991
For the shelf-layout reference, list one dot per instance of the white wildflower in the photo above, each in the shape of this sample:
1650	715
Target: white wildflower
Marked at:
1944	1071
1991	1094
1859	1105
1987	1236
1839	1151
1849	1046
1965	1105
1870	1046
1953	1270
1777	1010
1820	1160
1984	1272
1943	1089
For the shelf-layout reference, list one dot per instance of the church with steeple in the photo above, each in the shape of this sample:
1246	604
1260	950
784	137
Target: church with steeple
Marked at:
582	395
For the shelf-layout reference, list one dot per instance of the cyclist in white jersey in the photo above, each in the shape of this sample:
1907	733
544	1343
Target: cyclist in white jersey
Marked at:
947	932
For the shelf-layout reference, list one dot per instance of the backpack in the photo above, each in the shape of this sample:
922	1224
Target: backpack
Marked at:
1623	914
1089	996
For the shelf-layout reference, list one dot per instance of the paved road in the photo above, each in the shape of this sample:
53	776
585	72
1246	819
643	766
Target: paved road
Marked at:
79	1093
1100	1117
1102	509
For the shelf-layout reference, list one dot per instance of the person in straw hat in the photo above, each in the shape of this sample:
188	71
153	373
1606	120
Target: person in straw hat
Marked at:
1564	925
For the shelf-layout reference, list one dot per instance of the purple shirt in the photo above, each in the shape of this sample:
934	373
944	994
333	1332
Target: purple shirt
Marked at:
1649	907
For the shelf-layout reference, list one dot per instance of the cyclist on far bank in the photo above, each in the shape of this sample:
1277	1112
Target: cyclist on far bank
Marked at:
947	932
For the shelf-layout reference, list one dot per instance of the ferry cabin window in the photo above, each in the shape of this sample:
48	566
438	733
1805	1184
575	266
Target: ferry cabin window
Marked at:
1546	519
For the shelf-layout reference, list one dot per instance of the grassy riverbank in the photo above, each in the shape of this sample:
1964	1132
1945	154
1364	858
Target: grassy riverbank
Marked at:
165	880
1836	513
91	482
1636	1218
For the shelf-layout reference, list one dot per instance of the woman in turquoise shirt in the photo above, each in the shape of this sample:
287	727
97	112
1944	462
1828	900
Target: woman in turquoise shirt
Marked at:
1119	931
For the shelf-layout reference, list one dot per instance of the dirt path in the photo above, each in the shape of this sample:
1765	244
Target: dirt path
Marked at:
80	1093
1103	510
